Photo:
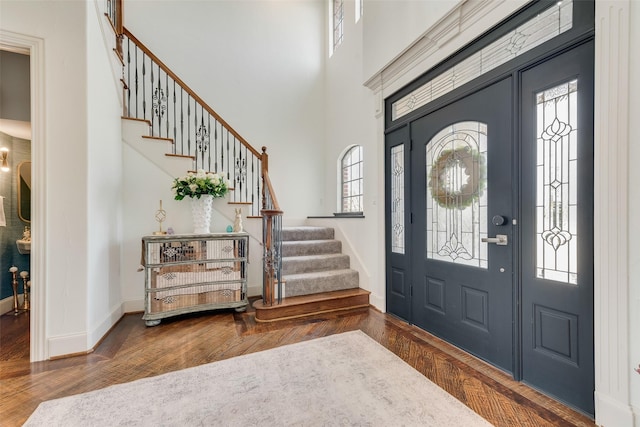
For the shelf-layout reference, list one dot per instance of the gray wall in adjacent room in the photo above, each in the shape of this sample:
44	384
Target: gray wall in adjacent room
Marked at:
14	86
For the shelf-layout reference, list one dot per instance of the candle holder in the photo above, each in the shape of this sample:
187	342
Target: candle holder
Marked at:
161	215
14	284
26	285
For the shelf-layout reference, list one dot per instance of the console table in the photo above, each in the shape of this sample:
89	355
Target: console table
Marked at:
194	272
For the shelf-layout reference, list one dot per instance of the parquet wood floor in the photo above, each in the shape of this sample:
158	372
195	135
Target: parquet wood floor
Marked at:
132	351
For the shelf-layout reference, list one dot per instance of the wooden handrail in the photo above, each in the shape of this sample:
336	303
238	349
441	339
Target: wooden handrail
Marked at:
190	91
275	208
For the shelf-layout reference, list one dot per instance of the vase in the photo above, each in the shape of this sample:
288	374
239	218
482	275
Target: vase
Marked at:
201	210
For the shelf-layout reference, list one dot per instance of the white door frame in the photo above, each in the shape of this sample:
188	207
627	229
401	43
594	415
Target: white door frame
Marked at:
34	47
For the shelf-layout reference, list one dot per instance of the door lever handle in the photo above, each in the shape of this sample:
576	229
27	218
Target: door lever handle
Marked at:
500	240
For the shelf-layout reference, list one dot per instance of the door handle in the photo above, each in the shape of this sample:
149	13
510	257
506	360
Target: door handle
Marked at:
500	240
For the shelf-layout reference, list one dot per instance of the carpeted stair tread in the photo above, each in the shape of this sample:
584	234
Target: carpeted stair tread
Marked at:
309	263
310	247
321	281
307	233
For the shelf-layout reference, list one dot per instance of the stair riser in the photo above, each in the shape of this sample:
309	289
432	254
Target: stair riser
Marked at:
311	248
295	287
294	266
310	233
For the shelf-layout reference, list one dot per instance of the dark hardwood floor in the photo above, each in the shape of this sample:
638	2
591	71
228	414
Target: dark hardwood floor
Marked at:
132	351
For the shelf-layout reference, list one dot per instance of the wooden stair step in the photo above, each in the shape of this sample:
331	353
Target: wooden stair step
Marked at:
309	305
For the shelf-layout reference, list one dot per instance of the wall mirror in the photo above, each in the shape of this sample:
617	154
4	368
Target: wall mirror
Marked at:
24	191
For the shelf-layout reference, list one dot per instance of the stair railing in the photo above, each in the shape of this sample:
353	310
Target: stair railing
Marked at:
272	240
154	93
176	113
115	14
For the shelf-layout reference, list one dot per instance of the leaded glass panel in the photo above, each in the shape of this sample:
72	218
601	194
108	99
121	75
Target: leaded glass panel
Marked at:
397	199
545	26
556	177
456	198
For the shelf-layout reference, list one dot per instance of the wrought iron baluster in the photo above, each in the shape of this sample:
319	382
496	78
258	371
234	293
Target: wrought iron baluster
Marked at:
128	77
209	133
144	97
215	146
153	107
175	136
188	125
246	187
166	92
137	82
236	185
181	120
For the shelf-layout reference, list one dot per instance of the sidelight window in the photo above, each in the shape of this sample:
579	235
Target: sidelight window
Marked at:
556	188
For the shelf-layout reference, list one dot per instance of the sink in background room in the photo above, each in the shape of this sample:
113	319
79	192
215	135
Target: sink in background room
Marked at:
24	246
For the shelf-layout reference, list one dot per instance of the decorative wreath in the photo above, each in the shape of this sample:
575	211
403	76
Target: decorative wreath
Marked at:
473	165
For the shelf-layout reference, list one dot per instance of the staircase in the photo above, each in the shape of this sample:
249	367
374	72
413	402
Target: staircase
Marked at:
316	276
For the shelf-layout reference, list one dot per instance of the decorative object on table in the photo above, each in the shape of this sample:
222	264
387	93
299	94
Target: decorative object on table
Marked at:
229	228
14	283
26	305
161	215
237	224
202	187
170	231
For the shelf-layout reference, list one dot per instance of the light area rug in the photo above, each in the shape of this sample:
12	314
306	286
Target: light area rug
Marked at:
340	380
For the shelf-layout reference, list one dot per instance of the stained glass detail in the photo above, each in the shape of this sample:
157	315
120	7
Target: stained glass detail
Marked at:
397	199
556	183
456	198
545	26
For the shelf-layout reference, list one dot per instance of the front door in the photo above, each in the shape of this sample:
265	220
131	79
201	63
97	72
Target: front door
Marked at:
462	223
490	223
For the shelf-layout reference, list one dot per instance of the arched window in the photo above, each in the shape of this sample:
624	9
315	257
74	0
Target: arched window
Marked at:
351	171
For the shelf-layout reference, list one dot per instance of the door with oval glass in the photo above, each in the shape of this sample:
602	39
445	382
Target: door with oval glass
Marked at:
461	244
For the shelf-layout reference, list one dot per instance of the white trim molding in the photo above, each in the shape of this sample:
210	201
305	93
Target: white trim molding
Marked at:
35	48
611	222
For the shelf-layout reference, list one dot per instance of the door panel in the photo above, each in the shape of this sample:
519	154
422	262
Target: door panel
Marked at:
557	222
398	223
461	178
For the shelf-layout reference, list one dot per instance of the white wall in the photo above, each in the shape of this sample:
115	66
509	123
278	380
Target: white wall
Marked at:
259	64
350	120
104	179
390	27
634	211
61	26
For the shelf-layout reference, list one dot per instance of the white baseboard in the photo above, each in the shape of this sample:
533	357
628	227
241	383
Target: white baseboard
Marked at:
378	302
6	304
610	412
132	306
65	345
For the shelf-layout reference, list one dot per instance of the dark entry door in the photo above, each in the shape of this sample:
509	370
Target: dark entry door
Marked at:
461	239
557	227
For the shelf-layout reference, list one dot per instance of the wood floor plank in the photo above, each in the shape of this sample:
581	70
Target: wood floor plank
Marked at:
132	351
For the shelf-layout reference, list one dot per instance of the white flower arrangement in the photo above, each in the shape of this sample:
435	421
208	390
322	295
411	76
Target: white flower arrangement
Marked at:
197	184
